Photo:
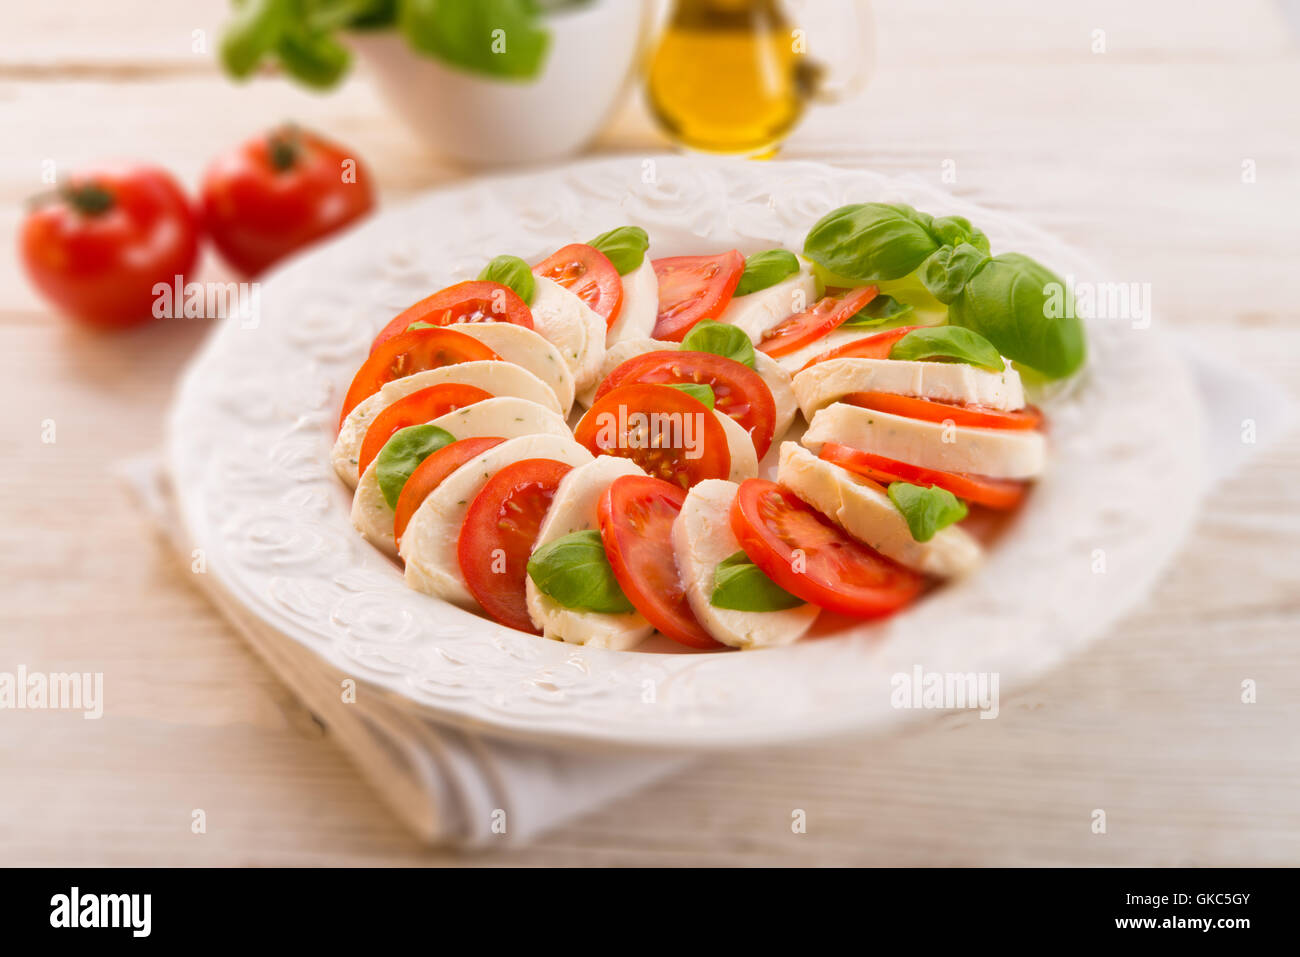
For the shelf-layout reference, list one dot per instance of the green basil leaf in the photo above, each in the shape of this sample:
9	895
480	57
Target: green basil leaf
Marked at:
948	268
696	390
868	242
513	272
879	311
1010	302
624	246
575	572
252	33
948	344
402	453
766	269
927	510
496	38
741	585
315	58
721	339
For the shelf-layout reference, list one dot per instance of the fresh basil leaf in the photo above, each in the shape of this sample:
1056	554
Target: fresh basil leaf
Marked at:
513	272
927	510
401	455
868	242
721	339
948	268
575	572
496	38
741	585
313	57
948	344
1008	302
766	269
252	33
696	390
624	246
879	311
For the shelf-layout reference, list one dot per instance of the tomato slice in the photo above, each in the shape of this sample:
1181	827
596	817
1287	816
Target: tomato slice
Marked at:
669	434
587	273
692	288
811	557
416	409
995	493
868	347
498	534
798	330
977	416
636	520
738	391
474	301
408	353
428	475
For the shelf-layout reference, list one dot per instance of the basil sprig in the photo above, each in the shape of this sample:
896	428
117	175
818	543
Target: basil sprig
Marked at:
575	572
403	453
513	272
766	269
721	339
696	390
874	241
741	585
623	246
948	344
927	510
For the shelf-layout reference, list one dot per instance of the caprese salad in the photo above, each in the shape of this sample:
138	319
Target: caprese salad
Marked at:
602	445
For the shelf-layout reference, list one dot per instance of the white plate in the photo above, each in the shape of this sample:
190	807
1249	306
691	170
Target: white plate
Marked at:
256	414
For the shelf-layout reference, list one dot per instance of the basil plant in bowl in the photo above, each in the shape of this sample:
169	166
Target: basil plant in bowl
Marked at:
486	82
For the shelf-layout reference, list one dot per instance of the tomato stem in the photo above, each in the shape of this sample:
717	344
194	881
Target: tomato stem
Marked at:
284	146
89	199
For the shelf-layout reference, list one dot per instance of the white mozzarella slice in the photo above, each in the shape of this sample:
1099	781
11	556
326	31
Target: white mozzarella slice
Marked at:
496	376
702	537
526	348
572	510
868	514
371	514
841	336
636	318
996	453
572	326
744	460
833	379
760	311
429	542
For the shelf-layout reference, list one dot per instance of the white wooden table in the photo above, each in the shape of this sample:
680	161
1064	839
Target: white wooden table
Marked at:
1136	154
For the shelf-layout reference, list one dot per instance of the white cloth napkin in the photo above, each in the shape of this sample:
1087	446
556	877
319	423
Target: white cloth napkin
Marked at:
452	787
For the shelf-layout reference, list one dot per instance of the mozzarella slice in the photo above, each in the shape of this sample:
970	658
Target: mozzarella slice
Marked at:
870	516
504	417
572	326
496	376
760	311
996	453
429	542
840	336
572	510
526	348
636	319
701	538
771	372
833	379
744	460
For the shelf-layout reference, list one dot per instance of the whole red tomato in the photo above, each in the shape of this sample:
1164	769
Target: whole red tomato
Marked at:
279	192
97	245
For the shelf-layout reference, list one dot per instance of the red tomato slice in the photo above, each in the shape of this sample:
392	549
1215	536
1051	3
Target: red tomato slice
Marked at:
692	288
408	353
636	519
474	301
810	325
977	416
587	273
990	492
868	347
428	475
738	391
810	556
415	409
669	434
498	535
